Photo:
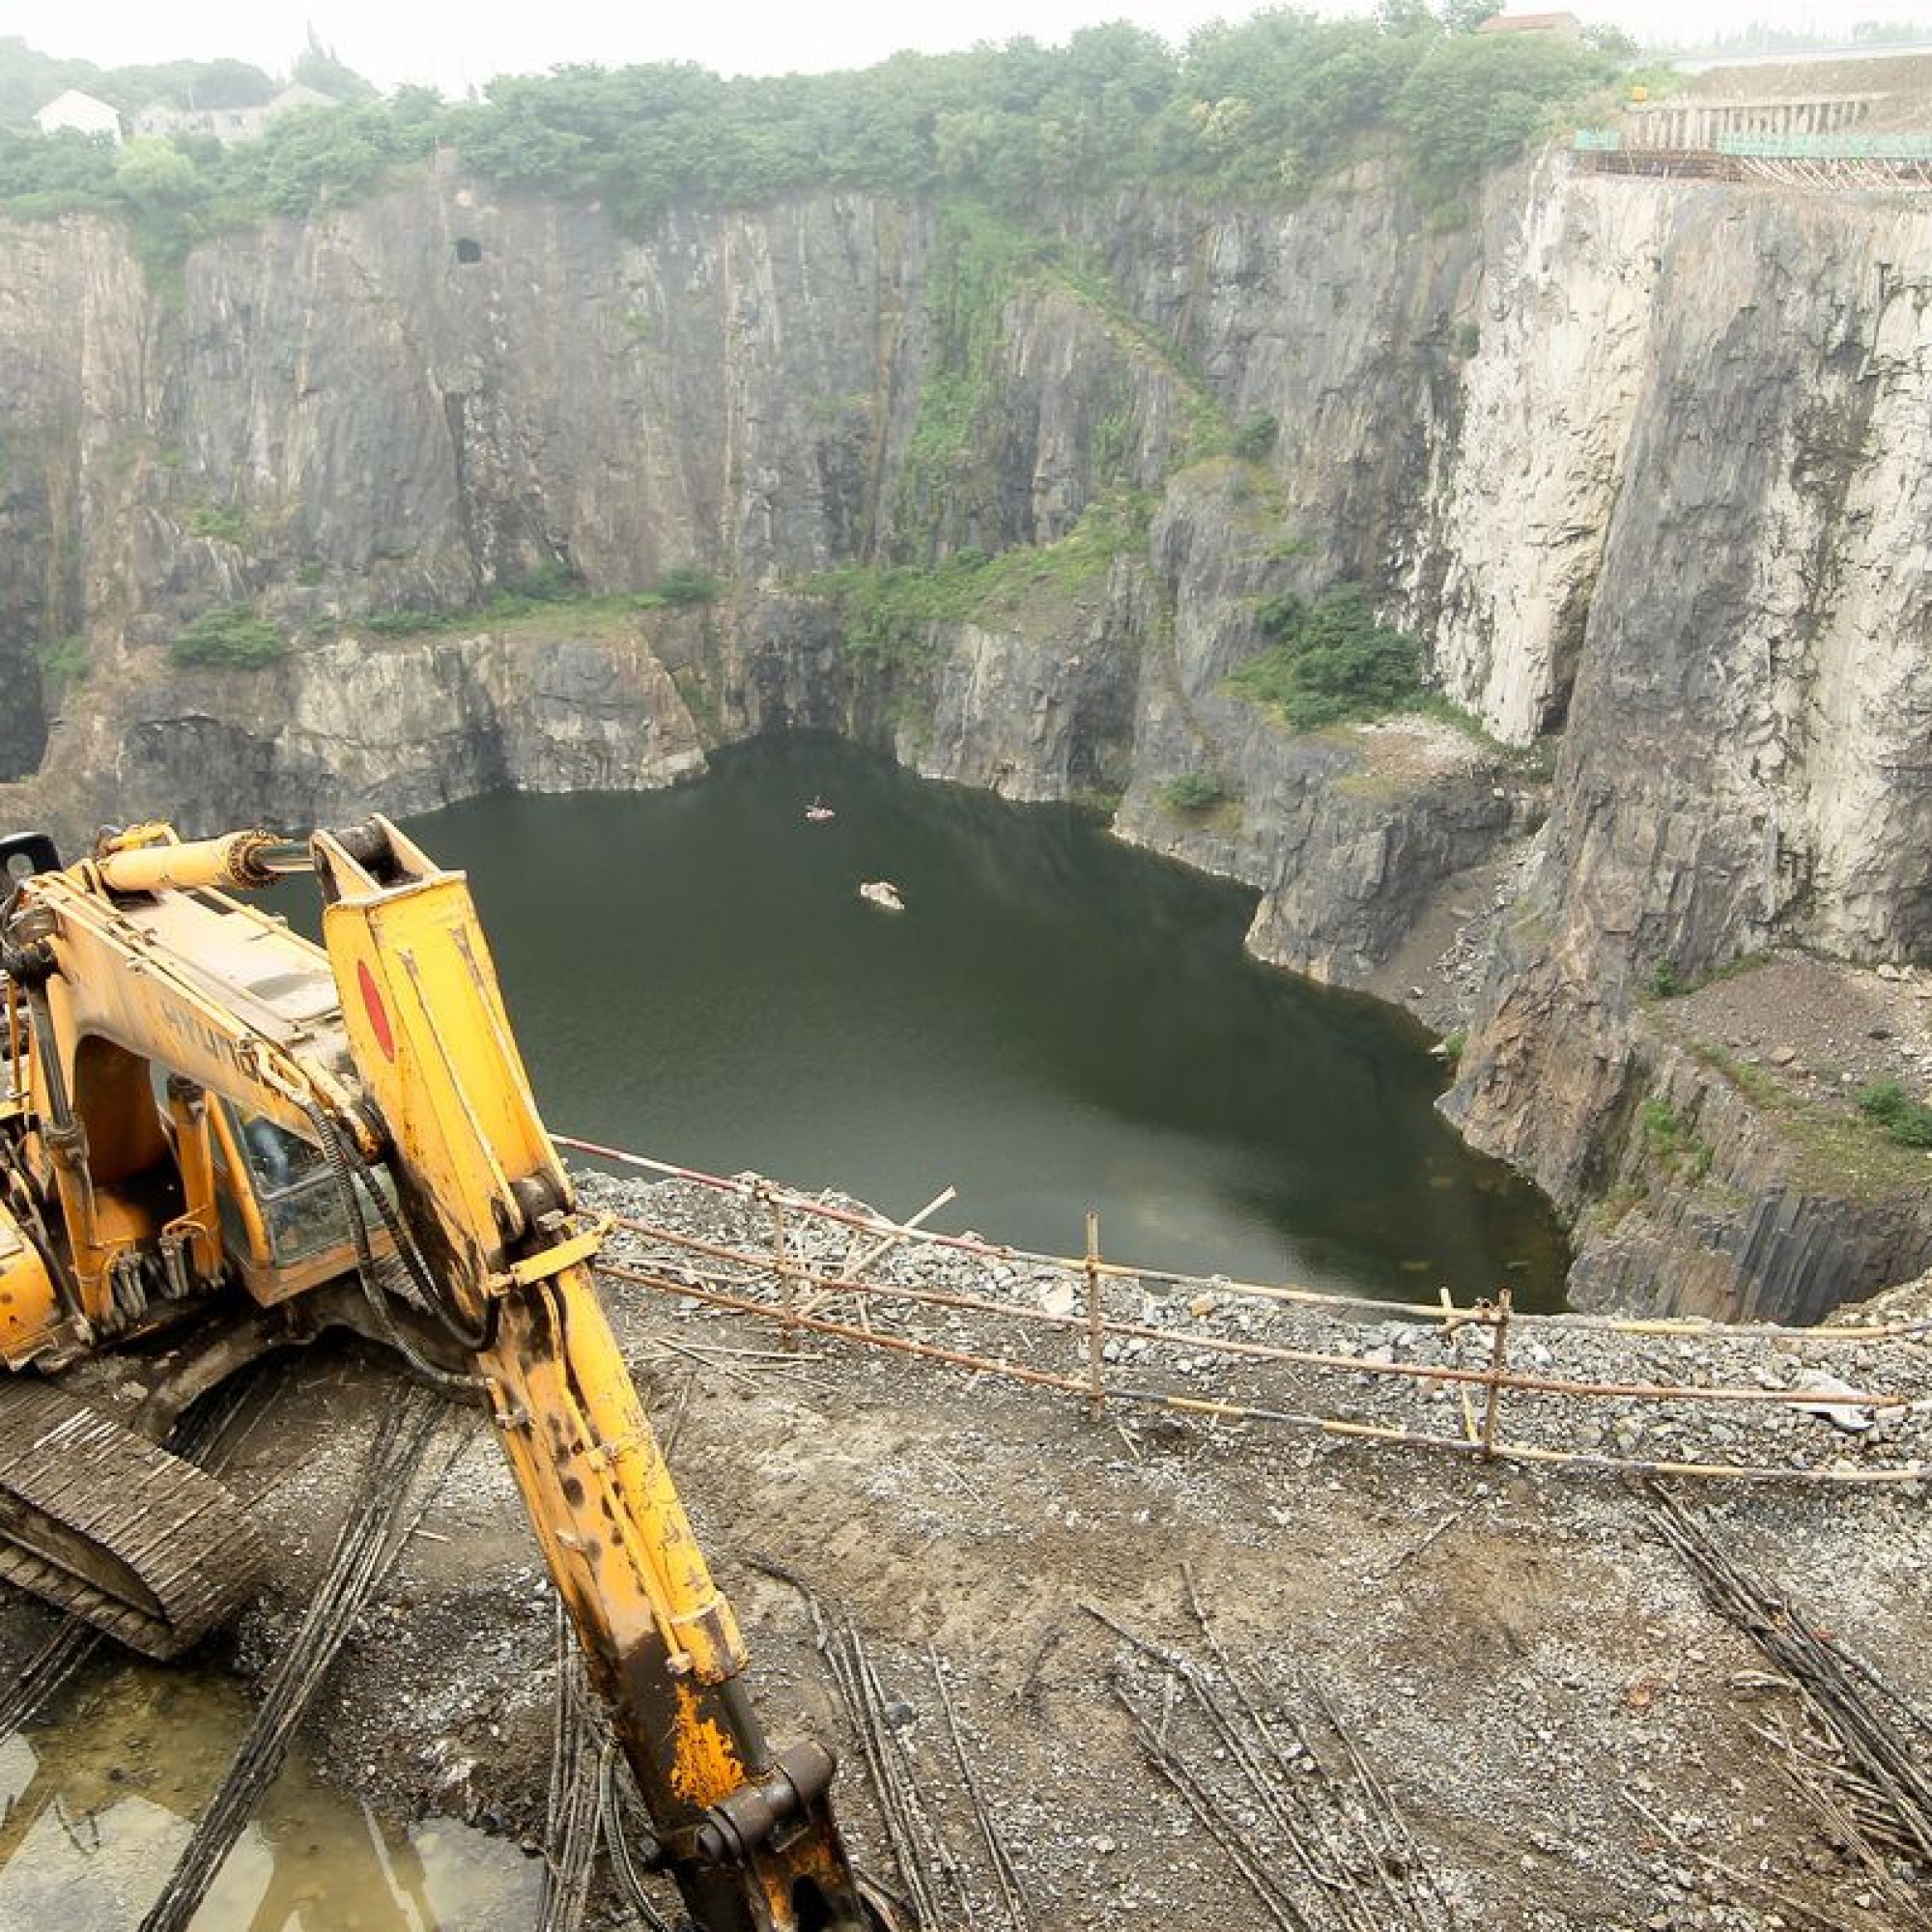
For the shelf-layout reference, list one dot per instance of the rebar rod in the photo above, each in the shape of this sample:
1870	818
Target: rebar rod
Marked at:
1790	1638
1280	1905
1005	1875
386	1510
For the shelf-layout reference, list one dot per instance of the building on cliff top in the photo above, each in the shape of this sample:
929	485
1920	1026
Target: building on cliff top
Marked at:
1563	26
80	114
227	124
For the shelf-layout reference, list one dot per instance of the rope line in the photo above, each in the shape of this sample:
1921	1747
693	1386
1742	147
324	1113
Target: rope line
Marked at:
755	1187
1080	1352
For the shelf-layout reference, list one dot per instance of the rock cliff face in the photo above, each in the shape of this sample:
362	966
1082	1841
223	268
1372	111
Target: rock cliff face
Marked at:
1645	463
1744	761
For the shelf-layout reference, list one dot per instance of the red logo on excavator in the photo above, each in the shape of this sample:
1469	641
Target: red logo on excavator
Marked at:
379	1013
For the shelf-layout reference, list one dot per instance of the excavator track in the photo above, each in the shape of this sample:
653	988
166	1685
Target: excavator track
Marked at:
111	1526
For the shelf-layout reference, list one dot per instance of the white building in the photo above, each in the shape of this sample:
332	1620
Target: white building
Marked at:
227	124
81	112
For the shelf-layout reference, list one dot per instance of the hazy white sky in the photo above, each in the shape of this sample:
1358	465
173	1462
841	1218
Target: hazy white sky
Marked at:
454	46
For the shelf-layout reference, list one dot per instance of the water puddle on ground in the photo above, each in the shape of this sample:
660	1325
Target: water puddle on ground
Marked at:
101	1793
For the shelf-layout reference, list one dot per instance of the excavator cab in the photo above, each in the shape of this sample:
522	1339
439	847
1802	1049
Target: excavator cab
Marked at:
283	1217
23	854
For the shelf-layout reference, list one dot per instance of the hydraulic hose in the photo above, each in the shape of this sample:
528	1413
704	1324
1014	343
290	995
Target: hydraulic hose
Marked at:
346	1167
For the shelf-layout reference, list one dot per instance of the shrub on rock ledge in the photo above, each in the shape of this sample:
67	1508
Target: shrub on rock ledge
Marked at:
232	639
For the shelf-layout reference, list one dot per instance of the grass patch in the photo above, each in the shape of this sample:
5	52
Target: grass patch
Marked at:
690	685
1667	1140
1836	1152
64	661
221	523
1099	806
1604	1215
1331	664
231	639
1193	794
1903	1119
552	592
682	589
1663	980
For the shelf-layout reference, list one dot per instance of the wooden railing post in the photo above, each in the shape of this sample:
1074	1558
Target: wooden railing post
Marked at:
1096	1394
1498	1362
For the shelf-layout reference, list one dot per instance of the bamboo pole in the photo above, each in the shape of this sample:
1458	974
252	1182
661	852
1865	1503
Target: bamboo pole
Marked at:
1657	1327
787	1284
1198	1342
1450	1324
1498	1363
1360	1431
1095	1325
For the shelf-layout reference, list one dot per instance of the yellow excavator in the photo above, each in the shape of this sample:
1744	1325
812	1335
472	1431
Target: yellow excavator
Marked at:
216	1138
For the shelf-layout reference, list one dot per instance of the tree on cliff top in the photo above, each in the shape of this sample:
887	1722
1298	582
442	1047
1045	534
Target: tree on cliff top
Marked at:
1260	109
317	66
1475	100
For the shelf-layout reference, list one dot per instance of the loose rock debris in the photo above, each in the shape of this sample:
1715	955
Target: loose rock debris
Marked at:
1479	1695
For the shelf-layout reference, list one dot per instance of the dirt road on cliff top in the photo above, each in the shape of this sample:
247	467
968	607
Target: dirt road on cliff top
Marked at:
1560	1730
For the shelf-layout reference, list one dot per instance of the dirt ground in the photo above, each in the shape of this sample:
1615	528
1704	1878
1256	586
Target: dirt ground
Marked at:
1561	1732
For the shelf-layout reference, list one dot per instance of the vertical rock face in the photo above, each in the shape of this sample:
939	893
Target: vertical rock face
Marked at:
1337	321
437	391
1555	336
342	729
1745	753
1643	461
73	369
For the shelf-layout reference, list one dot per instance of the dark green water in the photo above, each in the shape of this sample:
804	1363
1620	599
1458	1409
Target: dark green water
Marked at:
1054	1022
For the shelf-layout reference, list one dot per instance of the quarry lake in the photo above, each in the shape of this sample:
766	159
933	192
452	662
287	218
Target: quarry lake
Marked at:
1054	1022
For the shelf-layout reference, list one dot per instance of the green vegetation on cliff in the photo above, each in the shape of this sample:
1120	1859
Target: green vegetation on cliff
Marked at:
232	639
555	591
1262	108
1194	794
977	262
1331	662
887	611
64	661
1906	1120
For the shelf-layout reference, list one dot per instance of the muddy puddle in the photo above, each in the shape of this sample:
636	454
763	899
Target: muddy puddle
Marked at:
101	1792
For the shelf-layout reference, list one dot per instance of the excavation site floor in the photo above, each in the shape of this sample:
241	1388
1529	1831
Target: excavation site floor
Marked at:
1177	1663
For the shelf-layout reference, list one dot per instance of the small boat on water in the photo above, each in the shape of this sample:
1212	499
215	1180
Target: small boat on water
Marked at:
818	811
882	893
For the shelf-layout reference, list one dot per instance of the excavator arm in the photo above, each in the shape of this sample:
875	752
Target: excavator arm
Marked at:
746	1833
394	1056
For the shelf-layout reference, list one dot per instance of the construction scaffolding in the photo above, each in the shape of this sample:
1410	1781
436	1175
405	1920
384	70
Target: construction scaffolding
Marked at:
1792	159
